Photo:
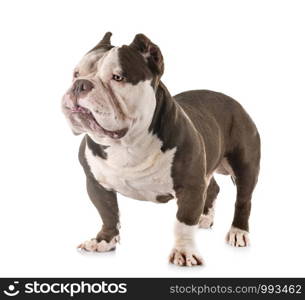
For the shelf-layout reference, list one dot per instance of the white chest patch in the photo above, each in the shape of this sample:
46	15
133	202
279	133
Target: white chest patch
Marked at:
141	172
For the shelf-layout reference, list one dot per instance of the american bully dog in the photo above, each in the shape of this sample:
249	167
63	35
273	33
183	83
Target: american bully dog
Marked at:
145	144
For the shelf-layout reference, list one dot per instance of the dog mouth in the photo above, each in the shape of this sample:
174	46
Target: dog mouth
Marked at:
94	125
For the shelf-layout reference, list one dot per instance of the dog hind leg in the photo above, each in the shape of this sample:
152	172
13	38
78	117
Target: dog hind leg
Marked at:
246	174
207	217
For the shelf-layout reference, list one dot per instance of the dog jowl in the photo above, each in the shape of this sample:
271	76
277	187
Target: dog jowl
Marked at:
143	143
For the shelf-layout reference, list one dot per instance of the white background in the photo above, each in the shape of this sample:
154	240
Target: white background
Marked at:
253	51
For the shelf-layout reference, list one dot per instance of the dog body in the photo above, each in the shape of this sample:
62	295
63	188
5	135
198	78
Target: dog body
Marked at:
145	144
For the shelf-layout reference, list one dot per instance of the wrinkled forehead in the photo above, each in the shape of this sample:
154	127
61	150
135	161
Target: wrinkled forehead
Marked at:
88	63
124	61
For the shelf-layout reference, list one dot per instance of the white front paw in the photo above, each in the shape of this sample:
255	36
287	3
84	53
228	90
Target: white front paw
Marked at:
237	237
103	246
183	256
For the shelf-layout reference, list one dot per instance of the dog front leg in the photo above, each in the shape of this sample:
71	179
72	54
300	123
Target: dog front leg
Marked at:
190	204
107	206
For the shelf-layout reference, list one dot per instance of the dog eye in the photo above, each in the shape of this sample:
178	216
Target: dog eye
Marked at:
117	77
75	74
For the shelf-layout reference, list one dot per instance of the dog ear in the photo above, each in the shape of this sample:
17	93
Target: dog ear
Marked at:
150	52
104	43
106	39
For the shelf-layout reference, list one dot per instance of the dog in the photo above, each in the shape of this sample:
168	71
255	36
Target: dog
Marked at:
145	144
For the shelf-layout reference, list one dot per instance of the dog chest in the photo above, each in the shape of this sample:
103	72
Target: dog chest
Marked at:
142	174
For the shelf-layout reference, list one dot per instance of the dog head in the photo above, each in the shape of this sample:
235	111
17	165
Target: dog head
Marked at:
112	95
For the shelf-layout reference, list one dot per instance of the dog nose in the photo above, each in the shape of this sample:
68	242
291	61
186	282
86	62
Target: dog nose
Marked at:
81	87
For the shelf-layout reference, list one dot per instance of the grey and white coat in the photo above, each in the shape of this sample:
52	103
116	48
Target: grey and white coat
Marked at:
145	144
